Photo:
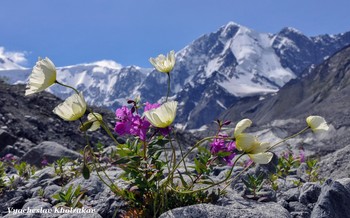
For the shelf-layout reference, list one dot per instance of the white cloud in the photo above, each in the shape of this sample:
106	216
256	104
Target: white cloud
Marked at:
12	60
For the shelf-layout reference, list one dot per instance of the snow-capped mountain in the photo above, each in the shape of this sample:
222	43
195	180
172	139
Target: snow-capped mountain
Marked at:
235	62
211	74
11	60
104	83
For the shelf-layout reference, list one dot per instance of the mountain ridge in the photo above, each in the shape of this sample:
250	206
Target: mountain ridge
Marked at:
217	70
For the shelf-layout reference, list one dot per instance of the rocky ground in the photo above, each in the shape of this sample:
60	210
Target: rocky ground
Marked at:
30	132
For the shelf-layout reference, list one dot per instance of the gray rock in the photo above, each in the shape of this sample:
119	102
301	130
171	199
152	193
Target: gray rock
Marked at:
87	215
334	201
309	193
45	173
6	139
345	182
243	209
42	178
300	214
93	185
107	207
296	206
283	203
336	165
50	190
290	195
12	199
36	215
35	203
51	151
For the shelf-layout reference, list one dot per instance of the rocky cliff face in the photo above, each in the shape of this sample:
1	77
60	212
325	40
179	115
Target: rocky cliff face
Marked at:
27	121
323	90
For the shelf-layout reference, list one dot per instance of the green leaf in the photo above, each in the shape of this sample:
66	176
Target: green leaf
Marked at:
198	166
86	171
85	126
206	182
184	183
122	160
224	153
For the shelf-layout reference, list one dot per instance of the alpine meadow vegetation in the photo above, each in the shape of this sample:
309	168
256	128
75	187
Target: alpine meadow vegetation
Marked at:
158	170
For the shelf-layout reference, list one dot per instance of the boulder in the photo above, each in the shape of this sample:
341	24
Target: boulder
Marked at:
51	151
243	209
335	165
309	193
6	139
334	200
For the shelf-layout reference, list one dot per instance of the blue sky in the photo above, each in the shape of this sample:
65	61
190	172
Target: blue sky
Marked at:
131	31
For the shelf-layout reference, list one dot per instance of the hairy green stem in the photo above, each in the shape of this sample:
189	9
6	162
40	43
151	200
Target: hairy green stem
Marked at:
174	152
104	126
181	152
112	186
240	173
59	83
195	146
289	137
217	183
168	92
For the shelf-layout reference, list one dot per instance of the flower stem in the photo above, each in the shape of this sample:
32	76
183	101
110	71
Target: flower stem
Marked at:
168	92
289	137
144	150
104	126
181	151
59	83
113	187
217	183
188	152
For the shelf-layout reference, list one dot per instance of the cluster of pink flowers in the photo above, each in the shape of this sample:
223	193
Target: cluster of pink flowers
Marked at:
8	158
131	123
219	145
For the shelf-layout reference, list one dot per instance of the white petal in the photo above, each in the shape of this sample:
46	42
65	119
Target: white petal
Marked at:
260	148
317	123
241	126
72	108
42	76
95	125
246	142
92	117
261	158
162	116
164	64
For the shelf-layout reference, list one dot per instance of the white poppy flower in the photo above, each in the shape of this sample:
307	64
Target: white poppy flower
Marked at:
95	118
162	116
317	124
241	126
164	64
43	76
72	108
257	151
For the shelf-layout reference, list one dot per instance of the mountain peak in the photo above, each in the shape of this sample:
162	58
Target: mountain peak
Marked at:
11	60
108	64
290	30
231	23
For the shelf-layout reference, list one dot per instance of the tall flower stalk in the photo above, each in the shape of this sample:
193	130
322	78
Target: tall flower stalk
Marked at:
164	64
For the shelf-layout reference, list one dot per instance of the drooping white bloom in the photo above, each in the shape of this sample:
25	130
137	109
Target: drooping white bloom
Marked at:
248	143
43	76
164	64
317	124
95	118
241	126
72	108
162	116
